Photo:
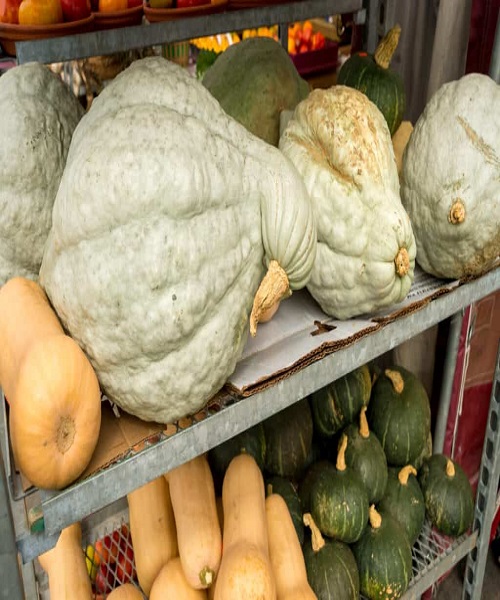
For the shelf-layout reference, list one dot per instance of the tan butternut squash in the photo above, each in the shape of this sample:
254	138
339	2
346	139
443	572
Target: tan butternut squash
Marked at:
152	527
66	568
198	530
53	392
126	591
245	572
171	584
285	553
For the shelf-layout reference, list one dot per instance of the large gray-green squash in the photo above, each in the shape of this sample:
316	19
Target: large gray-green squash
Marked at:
451	178
340	143
37	118
167	213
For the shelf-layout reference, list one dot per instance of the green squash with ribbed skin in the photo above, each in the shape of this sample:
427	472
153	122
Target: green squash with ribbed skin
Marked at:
399	414
288	440
339	501
285	488
331	568
338	404
254	81
372	76
307	482
383	555
365	456
403	500
448	495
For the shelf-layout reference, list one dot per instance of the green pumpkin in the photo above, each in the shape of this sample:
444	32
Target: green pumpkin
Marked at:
338	404
365	456
288	440
331	568
372	76
285	488
339	501
383	555
399	414
307	482
403	500
448	495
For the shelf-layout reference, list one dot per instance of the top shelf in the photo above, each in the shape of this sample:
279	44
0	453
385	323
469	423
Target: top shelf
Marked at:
97	43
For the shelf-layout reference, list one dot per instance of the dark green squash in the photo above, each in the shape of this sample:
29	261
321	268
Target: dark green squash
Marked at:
331	568
399	414
383	555
426	452
338	404
372	76
254	81
403	500
448	495
307	482
285	488
288	440
339	501
252	441
365	456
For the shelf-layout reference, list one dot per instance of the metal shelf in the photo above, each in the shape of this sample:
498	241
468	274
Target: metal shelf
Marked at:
234	415
96	43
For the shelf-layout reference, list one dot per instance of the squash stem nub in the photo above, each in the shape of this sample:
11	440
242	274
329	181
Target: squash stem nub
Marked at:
375	518
396	380
273	288
317	540
364	430
405	473
450	468
385	50
341	466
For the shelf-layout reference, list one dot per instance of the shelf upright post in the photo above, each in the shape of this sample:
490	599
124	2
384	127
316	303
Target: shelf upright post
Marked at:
489	477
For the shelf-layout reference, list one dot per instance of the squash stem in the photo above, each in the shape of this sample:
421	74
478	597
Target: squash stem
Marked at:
387	46
317	540
206	577
402	262
364	430
375	518
396	379
457	212
405	473
341	466
450	468
273	288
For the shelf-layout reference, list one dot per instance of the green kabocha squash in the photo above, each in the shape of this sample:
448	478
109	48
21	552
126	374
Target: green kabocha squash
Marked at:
39	114
331	568
254	81
338	404
340	143
307	482
285	488
383	555
288	440
365	456
403	500
339	501
167	212
451	169
448	495
371	74
400	416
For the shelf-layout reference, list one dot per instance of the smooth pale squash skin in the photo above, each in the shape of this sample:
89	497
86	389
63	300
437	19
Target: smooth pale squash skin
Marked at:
245	571
152	527
126	591
198	530
66	568
340	143
54	396
285	553
39	114
453	159
171	583
158	247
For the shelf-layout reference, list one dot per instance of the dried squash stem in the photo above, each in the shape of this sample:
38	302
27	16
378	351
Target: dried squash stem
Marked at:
317	540
385	50
375	518
273	288
450	468
364	430
396	380
341	466
405	473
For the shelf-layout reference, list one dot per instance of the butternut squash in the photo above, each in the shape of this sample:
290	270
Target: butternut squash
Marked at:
198	530
245	572
66	568
171	583
152	528
126	591
285	553
53	392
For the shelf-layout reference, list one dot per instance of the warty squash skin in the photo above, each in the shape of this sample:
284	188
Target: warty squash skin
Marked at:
66	568
53	392
158	246
152	527
39	114
451	178
171	583
340	143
